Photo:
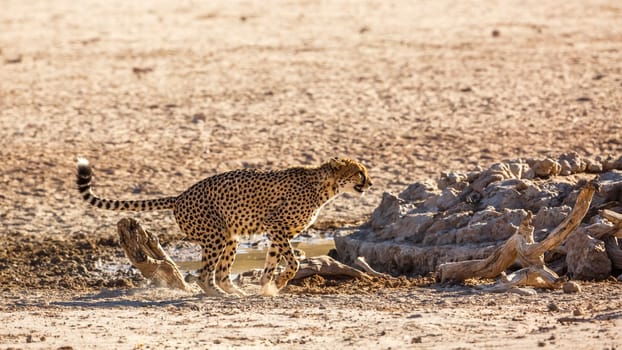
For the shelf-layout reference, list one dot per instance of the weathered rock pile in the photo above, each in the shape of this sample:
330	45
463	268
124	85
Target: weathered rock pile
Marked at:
464	216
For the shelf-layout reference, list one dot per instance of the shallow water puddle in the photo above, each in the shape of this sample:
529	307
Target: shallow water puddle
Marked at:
249	258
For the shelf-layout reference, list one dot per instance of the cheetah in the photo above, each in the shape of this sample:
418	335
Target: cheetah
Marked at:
218	211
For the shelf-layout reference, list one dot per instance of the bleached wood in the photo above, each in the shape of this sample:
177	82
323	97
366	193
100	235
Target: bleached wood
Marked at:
521	248
324	265
144	251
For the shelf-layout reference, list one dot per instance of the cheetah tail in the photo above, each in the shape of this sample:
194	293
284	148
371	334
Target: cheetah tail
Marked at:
84	176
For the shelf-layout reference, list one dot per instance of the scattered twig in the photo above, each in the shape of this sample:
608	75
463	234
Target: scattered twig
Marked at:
362	263
564	320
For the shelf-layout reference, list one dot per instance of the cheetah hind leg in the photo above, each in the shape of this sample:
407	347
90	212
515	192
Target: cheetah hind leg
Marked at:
206	275
223	270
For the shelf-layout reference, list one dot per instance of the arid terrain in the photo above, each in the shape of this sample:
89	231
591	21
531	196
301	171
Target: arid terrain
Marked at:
159	94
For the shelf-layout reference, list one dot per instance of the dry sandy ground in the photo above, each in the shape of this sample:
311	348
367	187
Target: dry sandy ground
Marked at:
160	94
425	318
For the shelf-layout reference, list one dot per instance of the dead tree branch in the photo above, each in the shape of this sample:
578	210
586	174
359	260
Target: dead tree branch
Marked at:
143	250
521	248
324	265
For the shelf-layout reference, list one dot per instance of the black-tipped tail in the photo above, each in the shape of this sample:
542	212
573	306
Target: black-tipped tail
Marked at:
83	179
84	176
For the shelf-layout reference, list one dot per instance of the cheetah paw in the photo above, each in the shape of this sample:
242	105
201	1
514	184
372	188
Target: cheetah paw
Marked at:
269	289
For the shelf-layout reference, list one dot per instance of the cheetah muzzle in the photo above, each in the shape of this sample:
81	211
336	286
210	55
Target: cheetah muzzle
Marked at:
219	210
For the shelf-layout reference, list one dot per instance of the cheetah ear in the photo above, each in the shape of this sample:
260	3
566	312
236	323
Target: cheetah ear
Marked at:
335	163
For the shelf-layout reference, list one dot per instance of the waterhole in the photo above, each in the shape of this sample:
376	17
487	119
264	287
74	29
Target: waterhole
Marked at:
249	258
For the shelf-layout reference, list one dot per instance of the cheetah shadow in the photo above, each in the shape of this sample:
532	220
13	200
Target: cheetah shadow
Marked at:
137	298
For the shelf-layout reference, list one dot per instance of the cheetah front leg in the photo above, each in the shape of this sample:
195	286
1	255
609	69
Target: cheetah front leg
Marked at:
223	270
292	266
279	248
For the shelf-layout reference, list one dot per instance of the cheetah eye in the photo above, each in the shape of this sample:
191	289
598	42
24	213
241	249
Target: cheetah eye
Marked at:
362	176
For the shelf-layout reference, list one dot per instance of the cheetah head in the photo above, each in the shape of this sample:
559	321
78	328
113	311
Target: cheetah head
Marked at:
350	175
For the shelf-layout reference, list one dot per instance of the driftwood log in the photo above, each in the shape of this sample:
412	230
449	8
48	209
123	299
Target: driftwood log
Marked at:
521	248
144	251
324	265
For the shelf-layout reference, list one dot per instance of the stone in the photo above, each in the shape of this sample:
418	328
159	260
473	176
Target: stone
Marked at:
571	287
546	168
419	191
586	257
387	212
465	215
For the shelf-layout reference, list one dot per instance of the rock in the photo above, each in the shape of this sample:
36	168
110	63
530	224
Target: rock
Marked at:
594	167
571	287
549	217
610	163
493	230
411	227
552	307
546	168
419	191
572	163
402	257
387	212
447	199
449	222
505	194
198	118
465	215
499	172
586	257
452	178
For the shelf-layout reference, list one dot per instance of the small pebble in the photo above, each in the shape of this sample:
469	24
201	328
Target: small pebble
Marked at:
13	60
571	287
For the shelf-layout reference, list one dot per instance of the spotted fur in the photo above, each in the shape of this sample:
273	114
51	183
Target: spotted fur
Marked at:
217	211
